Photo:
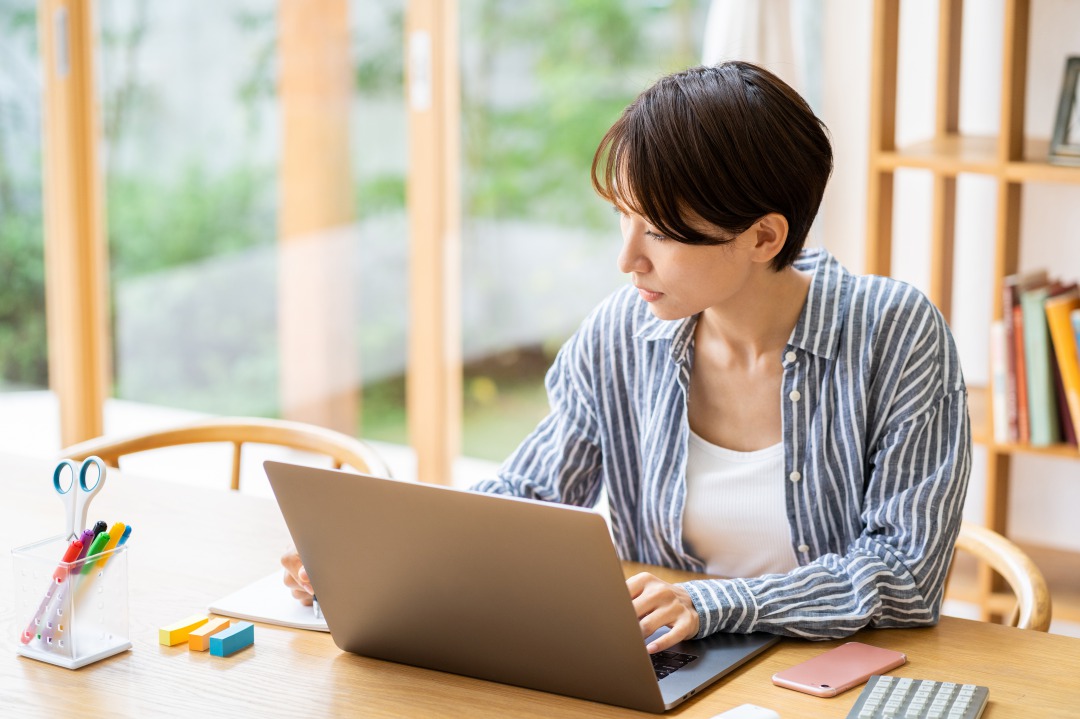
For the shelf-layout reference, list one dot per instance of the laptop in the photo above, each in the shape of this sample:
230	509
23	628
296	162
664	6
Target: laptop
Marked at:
510	590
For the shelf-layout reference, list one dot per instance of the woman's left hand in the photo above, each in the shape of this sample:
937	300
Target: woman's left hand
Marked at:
659	604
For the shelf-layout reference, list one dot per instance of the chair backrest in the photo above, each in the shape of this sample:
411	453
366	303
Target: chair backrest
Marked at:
341	448
1033	607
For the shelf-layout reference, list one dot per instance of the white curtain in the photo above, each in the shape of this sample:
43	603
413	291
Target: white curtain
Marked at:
783	36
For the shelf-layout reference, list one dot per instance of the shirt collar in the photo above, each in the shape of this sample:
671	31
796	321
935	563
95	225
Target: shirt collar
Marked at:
817	330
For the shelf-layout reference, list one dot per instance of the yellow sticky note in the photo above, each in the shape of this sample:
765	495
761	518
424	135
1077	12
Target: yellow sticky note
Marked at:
199	639
178	633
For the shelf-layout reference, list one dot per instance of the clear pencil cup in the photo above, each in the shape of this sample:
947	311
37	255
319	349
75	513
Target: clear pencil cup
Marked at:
70	613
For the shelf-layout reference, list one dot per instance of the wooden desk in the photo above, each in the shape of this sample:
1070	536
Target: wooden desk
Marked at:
189	546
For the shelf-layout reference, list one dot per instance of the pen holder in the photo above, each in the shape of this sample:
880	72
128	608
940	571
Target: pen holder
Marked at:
70	613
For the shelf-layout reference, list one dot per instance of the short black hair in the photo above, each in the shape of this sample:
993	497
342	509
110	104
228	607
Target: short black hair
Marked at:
728	144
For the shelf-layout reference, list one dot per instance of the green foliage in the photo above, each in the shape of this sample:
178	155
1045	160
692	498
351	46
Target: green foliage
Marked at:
22	300
156	225
530	158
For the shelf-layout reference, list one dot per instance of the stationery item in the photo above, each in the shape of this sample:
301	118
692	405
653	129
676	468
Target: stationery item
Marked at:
231	640
58	578
78	493
96	548
315	608
178	633
85	540
120	543
268	600
118	530
511	611
85	619
99	527
199	639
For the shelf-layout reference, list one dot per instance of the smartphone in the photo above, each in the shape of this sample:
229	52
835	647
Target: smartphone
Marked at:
838	669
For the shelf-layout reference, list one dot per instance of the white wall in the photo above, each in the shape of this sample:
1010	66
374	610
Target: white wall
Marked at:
1045	492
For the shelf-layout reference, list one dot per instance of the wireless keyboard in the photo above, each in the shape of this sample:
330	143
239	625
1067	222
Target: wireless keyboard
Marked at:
902	698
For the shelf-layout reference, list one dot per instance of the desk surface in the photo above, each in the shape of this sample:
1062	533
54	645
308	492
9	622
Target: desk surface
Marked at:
233	539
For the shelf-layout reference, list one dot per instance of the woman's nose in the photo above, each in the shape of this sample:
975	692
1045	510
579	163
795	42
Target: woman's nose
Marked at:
631	258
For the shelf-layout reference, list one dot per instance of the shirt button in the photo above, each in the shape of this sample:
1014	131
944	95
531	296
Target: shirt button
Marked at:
791	357
794	396
804	548
794	476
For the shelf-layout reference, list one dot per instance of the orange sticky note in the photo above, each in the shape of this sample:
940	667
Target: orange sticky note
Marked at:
199	639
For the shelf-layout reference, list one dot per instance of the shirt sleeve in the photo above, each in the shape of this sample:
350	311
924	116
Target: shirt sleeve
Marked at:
560	461
893	574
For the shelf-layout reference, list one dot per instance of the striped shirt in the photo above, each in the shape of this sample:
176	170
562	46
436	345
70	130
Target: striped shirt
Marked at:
877	449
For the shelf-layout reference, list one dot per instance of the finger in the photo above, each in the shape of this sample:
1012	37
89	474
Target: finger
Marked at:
638	583
295	574
663	616
679	632
303	596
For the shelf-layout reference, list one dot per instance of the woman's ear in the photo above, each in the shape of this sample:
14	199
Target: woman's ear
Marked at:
770	234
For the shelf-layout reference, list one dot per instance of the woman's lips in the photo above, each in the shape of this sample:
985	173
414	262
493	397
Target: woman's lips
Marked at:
649	295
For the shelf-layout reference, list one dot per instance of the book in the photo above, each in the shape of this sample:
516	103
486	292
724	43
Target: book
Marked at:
1016	385
1059	310
268	600
1043	421
998	373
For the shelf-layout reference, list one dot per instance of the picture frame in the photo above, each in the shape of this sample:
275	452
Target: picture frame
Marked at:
1065	142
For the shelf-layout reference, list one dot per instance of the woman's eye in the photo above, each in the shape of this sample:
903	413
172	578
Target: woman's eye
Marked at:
655	235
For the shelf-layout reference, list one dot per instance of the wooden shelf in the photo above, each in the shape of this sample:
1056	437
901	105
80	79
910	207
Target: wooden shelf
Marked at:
1036	168
948	154
978	408
954	154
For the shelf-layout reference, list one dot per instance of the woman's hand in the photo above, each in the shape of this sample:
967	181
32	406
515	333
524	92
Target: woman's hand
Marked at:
296	577
659	604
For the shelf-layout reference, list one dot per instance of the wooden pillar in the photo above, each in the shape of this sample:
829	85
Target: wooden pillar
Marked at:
883	69
76	256
319	377
433	386
947	124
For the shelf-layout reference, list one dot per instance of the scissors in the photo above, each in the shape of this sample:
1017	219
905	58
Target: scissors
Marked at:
77	494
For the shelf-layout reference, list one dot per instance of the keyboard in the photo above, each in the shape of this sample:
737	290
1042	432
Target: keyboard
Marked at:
902	698
665	662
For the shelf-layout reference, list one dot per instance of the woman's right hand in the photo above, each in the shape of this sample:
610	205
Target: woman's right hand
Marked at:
296	577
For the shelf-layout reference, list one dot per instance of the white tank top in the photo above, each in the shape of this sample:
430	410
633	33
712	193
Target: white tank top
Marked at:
735	517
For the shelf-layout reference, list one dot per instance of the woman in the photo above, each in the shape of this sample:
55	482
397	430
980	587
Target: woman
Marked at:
751	409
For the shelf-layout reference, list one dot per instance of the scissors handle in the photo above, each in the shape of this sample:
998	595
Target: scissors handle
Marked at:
78	494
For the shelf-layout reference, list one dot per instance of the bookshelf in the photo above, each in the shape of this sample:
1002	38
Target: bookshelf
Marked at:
1012	160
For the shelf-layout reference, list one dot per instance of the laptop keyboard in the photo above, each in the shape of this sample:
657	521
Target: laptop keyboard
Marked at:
666	662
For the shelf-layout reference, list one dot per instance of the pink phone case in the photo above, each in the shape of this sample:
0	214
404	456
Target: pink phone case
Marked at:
838	669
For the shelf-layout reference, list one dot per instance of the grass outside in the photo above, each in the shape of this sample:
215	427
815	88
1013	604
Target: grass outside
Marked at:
504	400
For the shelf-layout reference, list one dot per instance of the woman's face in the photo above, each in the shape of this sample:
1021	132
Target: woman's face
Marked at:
679	280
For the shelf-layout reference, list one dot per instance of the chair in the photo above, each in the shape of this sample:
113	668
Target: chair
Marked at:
1032	608
341	448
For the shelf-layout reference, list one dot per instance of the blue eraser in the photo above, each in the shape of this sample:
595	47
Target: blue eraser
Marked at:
233	639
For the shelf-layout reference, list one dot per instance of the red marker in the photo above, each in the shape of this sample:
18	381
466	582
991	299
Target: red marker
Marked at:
59	576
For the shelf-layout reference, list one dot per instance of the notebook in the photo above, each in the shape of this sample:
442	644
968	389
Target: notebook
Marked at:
509	590
268	600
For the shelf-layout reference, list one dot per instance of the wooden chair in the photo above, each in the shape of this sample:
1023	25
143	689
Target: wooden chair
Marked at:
1032	607
238	431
